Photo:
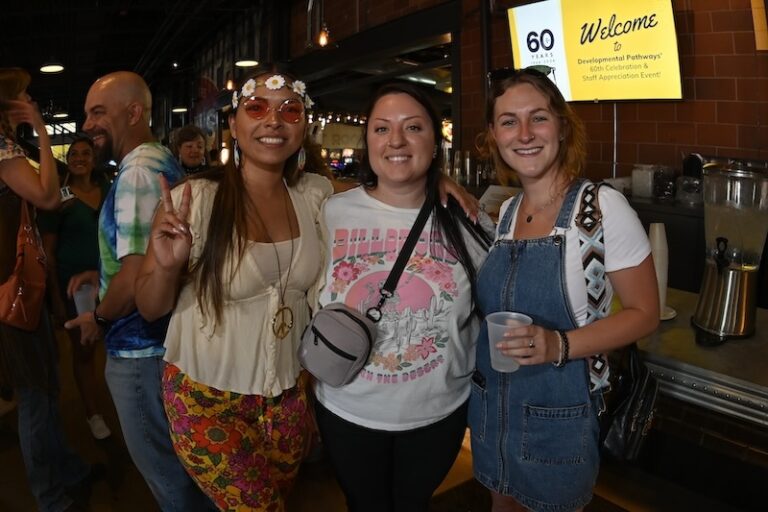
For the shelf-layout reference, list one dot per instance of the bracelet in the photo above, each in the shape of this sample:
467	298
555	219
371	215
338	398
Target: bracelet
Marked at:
101	321
563	349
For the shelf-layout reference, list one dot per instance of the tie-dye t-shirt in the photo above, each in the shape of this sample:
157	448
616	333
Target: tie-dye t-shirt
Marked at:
124	229
424	355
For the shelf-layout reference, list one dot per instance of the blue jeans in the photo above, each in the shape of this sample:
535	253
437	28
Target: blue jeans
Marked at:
135	387
51	466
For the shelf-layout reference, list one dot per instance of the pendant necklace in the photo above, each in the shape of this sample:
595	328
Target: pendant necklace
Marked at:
529	215
282	320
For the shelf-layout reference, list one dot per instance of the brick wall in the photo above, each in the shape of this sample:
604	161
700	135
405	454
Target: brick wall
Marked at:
724	110
472	79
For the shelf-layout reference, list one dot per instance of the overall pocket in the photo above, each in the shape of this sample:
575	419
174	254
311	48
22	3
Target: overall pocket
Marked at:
478	407
555	435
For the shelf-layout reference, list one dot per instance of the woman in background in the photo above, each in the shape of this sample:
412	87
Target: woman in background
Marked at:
190	147
28	361
71	244
535	431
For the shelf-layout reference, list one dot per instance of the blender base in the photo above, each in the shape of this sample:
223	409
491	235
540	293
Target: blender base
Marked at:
712	339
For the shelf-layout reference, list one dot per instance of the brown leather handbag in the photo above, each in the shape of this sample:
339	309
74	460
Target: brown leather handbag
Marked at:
21	296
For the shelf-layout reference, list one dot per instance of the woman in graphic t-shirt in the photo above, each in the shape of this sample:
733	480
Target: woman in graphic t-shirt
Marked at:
393	433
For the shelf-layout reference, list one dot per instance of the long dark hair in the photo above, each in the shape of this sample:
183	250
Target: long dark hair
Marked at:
228	226
445	220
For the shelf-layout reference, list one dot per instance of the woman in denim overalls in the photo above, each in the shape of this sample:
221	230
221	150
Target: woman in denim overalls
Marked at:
535	431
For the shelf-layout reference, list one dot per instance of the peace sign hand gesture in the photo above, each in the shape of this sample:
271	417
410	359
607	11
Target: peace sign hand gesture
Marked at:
171	238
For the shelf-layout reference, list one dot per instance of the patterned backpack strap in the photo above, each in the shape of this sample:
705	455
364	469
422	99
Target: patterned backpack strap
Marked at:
592	248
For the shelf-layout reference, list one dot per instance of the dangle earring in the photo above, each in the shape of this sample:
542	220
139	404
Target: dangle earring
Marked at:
236	154
301	160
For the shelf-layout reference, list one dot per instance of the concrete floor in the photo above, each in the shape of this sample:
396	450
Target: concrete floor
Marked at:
620	488
123	489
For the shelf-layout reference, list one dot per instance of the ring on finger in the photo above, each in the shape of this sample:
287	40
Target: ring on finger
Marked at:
530	343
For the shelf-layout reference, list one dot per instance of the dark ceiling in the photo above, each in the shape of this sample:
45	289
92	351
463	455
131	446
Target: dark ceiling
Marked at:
94	37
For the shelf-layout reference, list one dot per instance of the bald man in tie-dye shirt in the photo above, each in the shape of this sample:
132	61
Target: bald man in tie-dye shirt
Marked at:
124	228
118	107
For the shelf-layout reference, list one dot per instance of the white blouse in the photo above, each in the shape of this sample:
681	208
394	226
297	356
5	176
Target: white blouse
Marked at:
241	353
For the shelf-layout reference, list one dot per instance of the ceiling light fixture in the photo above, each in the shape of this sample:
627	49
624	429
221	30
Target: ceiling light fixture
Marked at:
179	110
246	63
421	80
52	66
60	115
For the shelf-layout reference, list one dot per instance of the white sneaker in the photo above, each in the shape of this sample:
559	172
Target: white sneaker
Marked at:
99	429
6	407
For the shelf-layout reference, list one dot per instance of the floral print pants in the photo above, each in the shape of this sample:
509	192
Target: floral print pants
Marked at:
244	451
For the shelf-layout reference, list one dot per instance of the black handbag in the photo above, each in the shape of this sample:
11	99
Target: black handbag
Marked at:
630	400
630	406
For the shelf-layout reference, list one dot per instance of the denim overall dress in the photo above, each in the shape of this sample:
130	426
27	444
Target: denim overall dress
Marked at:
534	431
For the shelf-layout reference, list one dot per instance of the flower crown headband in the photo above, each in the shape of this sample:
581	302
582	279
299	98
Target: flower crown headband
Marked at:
273	83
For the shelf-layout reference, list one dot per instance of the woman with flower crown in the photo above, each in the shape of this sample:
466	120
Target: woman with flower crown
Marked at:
233	253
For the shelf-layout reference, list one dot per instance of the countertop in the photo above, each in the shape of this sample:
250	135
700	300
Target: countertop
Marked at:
731	378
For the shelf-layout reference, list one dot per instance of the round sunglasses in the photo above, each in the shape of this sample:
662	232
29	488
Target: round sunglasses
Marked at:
291	110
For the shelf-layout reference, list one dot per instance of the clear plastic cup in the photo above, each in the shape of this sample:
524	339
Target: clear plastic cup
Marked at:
85	299
498	324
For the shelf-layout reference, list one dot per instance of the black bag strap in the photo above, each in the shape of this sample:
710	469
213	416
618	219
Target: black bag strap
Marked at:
388	289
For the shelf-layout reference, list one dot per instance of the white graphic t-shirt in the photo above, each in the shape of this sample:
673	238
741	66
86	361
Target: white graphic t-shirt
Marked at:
420	366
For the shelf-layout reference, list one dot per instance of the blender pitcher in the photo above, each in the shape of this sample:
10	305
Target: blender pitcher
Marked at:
735	223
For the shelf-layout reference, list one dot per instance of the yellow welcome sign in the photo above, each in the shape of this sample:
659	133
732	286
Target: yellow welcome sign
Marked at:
600	49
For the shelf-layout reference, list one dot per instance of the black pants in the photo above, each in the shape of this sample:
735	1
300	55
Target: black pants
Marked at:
383	471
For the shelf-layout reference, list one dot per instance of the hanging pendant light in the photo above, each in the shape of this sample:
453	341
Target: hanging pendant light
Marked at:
246	63
52	66
324	36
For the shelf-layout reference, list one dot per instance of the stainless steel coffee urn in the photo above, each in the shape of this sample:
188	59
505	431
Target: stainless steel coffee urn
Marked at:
735	223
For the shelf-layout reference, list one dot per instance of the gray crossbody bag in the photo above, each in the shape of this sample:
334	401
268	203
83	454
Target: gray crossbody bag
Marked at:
338	340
